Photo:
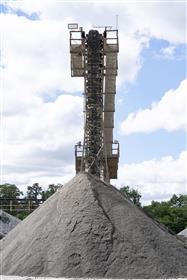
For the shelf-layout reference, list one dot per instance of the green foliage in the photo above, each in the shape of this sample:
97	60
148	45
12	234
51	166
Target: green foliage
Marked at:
132	194
178	201
52	188
22	215
172	213
9	191
34	191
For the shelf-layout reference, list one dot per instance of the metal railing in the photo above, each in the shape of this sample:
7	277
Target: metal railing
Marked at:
17	205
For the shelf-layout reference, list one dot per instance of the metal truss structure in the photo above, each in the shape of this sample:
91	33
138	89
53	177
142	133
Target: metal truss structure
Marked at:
94	57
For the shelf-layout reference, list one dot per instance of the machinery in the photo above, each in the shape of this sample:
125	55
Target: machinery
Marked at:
94	57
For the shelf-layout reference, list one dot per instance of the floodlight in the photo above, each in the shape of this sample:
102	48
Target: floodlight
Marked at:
73	26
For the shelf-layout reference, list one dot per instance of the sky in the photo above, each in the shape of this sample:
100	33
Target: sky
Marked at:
42	106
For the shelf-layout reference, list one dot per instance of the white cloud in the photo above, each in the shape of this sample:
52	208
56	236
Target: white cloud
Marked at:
38	145
171	52
168	114
44	44
36	53
129	60
39	136
156	179
168	51
36	56
161	20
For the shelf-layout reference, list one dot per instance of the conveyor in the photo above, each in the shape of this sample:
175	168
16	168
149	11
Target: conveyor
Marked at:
94	57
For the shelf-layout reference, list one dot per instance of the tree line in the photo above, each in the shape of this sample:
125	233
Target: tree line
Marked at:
15	202
171	213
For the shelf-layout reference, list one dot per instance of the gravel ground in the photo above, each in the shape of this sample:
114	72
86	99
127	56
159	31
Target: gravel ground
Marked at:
7	223
2	277
89	229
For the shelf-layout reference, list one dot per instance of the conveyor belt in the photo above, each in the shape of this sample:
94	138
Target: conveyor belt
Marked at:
94	102
94	57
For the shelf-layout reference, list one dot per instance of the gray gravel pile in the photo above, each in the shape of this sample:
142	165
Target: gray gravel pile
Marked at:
89	229
183	232
183	235
7	223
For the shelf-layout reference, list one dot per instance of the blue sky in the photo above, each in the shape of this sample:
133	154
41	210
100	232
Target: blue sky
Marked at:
8	10
157	75
42	106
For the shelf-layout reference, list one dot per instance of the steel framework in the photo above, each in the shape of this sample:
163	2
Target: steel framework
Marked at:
94	57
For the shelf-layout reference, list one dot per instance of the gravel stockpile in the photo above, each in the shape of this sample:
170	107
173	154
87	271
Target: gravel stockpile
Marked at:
89	229
183	236
7	223
183	232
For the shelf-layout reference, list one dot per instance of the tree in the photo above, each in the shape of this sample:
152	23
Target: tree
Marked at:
22	214
178	201
34	191
171	213
9	191
132	194
52	188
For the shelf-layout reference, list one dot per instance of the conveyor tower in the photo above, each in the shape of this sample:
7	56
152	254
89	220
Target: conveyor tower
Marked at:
94	57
